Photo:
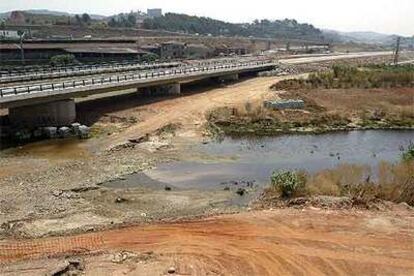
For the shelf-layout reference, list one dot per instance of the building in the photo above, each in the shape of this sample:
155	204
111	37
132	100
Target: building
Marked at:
172	50
225	50
154	13
198	51
6	34
152	48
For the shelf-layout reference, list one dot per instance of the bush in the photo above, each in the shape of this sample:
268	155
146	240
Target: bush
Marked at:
395	182
344	76
150	57
288	183
408	155
62	60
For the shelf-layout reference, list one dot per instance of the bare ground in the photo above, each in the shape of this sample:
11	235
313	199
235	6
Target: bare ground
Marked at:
278	242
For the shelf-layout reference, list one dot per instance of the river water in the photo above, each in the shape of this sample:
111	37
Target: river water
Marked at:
256	159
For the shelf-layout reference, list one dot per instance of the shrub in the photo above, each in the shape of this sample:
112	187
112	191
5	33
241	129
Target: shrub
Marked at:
288	183
150	57
60	60
408	155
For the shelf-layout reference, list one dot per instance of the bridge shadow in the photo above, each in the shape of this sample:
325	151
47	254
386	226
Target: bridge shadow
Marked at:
91	111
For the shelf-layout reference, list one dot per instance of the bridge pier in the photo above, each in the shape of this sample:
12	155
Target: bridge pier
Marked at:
57	113
227	78
164	90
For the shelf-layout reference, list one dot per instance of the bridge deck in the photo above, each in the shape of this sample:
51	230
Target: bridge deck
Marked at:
28	95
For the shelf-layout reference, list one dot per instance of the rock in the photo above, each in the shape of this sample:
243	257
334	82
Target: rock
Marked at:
120	200
50	132
171	270
70	267
75	128
241	191
57	193
64	132
22	135
123	256
83	132
37	133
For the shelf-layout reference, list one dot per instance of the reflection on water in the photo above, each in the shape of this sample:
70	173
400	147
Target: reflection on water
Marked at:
256	159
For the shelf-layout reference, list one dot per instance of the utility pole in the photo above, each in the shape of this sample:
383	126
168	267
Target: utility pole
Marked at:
21	34
397	51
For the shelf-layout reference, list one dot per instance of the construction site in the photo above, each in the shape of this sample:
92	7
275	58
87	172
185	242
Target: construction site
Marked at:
156	143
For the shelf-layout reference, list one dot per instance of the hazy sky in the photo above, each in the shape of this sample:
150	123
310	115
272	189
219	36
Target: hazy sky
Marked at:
386	16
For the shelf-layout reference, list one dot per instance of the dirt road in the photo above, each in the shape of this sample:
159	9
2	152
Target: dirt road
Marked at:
190	110
281	242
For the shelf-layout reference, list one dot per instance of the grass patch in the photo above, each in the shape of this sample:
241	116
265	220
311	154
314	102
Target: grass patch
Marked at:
395	183
346	77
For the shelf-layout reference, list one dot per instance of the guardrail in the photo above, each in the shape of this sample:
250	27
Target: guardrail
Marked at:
61	86
75	71
24	70
78	71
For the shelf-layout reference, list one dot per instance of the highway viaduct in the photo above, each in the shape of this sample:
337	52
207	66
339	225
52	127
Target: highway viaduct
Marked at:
52	103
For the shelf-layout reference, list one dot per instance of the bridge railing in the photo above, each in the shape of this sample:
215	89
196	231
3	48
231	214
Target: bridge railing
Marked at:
27	71
18	90
67	71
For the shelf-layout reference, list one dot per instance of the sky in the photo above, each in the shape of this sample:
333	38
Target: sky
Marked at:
384	16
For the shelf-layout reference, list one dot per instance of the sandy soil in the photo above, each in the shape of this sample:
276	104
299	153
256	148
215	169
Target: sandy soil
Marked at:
278	242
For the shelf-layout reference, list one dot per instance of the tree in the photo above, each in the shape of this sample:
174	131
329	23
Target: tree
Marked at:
62	60
112	22
132	20
78	19
86	18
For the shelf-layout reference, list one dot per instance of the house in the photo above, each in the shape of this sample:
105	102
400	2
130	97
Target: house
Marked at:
198	51
172	50
6	34
152	48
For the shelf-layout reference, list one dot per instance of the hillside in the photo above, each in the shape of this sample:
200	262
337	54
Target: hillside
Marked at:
288	28
366	37
44	12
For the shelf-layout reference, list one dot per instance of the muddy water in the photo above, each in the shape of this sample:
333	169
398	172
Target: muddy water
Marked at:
52	150
253	160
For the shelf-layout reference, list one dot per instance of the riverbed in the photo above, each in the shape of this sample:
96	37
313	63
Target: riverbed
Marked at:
253	160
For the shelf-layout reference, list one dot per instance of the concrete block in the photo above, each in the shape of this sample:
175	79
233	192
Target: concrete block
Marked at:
84	132
37	133
64	132
284	104
50	132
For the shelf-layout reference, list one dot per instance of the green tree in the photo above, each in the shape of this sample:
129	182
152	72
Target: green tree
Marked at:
86	18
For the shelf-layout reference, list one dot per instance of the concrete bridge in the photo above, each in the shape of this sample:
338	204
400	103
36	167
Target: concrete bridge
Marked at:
52	103
48	72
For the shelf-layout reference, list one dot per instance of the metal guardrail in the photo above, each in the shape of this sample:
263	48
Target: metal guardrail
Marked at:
61	86
79	70
75	71
24	70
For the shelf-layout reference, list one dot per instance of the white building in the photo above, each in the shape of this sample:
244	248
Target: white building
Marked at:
6	34
154	12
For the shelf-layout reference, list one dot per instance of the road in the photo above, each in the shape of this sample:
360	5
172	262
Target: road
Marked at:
312	59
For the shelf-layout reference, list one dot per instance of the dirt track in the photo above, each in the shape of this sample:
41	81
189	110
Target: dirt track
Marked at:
281	242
